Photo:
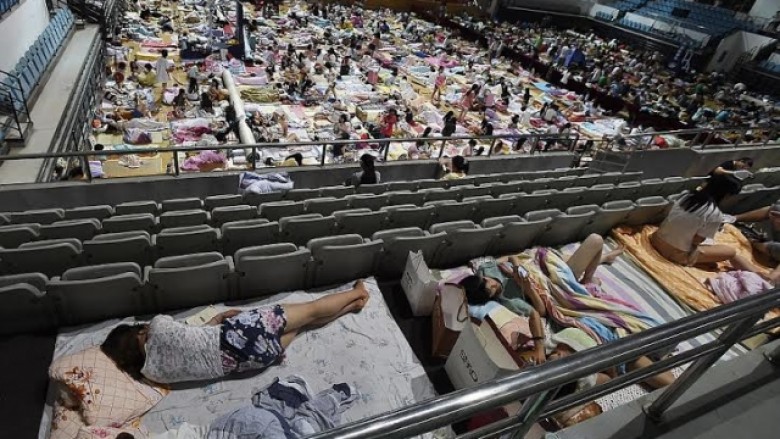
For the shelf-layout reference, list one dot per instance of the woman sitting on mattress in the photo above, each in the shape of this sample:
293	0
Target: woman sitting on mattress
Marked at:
686	236
167	351
556	290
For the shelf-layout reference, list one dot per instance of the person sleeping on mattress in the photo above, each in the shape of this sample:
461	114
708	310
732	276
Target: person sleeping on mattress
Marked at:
167	351
686	236
508	282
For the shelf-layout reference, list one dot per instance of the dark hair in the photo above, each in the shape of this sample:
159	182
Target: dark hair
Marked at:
164	53
298	157
369	173
125	435
460	164
746	160
123	348
99	147
476	290
717	188
205	102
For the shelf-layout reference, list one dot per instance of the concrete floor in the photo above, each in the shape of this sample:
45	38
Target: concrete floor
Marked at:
739	398
48	109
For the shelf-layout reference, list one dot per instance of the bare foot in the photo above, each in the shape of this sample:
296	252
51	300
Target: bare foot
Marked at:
362	292
610	257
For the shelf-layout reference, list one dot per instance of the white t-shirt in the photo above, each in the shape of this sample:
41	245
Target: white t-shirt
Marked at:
178	352
680	227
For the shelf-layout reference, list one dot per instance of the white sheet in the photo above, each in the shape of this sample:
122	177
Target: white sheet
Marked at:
366	349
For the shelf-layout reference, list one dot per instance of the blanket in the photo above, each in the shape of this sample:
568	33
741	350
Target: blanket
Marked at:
685	284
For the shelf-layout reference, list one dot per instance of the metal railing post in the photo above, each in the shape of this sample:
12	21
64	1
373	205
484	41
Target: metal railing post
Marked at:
531	410
387	150
727	339
492	147
254	158
441	150
176	163
87	170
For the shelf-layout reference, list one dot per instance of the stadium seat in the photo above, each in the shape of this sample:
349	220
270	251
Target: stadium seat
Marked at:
474	191
214	201
396	245
131	222
649	210
395	186
271	269
326	205
609	215
248	233
571	196
24	304
274	211
405	197
178	241
564	227
98	292
254	199
134	246
182	204
184	218
225	214
514	234
363	222
375	189
449	210
538	200
42	216
302	228
409	215
50	257
301	194
136	207
598	194
87	212
337	191
488	207
463	242
81	229
179	282
367	200
626	191
13	236
342	258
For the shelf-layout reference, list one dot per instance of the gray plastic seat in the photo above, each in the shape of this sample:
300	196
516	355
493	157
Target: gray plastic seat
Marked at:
302	228
486	179
127	223
609	215
674	185
474	191
432	184
375	189
254	199
512	187
342	258
463	242
363	222
135	207
135	246
274	211
598	194
271	269
337	191
537	184
225	214
50	257
464	181
439	194
184	218
564	228
449	210
301	194
652	187
405	197
368	201
649	210
626	191
222	201
24	304
529	202
564	182
396	245
326	205
514	233
98	292
631	176
41	216
86	212
488	207
14	235
610	178
191	280
408	215
768	177
248	233
571	196
395	186
190	203
82	229
177	241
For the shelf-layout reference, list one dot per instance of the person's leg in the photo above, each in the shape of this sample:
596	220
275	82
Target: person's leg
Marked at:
326	309
710	254
586	258
754	215
659	381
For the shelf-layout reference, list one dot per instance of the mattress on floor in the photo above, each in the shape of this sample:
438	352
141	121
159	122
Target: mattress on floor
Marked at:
366	350
686	284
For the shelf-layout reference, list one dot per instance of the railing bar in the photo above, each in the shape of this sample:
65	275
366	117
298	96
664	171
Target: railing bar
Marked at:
762	327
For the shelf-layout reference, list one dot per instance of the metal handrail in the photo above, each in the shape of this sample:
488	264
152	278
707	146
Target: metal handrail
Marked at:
535	385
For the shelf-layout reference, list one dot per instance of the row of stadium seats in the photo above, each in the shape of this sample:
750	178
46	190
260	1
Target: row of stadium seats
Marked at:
36	60
33	300
6	5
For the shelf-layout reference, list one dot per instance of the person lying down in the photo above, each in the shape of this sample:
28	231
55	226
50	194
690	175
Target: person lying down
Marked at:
557	303
167	351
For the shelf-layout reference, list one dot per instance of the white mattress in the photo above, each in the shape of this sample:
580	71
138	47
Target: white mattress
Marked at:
366	350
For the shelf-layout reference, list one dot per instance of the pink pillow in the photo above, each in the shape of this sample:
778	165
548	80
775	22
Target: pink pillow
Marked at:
105	395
